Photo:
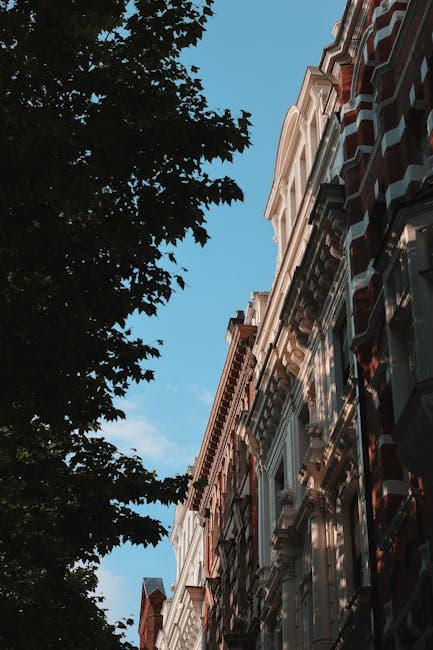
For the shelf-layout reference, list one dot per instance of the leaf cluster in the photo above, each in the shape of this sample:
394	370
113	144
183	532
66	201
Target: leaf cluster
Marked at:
105	139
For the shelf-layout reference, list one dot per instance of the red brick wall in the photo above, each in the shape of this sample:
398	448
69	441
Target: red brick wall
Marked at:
398	568
150	620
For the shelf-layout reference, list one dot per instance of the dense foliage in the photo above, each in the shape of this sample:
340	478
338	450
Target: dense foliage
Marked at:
105	139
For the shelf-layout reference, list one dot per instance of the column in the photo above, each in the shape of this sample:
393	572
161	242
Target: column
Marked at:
288	599
320	578
266	637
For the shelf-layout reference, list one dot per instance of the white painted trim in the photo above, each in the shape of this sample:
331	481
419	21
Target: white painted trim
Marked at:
399	188
412	96
361	280
352	162
378	195
365	54
430	123
386	439
386	31
424	69
358	229
384	8
359	99
350	129
393	136
366	35
415	102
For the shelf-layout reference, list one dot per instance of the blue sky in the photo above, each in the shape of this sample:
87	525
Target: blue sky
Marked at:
253	57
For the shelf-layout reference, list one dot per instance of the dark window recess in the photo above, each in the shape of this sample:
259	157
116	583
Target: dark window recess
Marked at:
279	485
344	351
303	420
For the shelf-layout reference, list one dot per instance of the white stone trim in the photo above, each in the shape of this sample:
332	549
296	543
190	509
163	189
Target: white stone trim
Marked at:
430	123
352	162
393	136
384	7
364	39
359	99
386	439
378	195
350	129
365	54
412	95
386	31
424	69
415	102
399	188
361	280
358	229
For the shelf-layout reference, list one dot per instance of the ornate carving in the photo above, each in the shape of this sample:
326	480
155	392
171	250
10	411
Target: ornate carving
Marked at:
287	568
315	501
313	430
203	516
283	186
285	496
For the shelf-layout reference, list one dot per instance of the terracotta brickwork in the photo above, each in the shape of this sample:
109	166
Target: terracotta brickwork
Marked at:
315	473
386	109
386	104
228	503
152	599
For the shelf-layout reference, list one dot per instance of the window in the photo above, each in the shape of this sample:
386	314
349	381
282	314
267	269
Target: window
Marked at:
279	482
352	542
342	354
401	330
303	420
407	267
398	282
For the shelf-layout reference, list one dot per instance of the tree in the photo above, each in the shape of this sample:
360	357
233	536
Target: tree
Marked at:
106	140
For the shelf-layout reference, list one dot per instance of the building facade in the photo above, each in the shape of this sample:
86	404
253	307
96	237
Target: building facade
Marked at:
317	514
227	503
182	613
386	94
150	622
314	559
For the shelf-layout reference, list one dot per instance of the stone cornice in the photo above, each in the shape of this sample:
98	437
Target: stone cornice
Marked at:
307	294
342	50
226	398
291	131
